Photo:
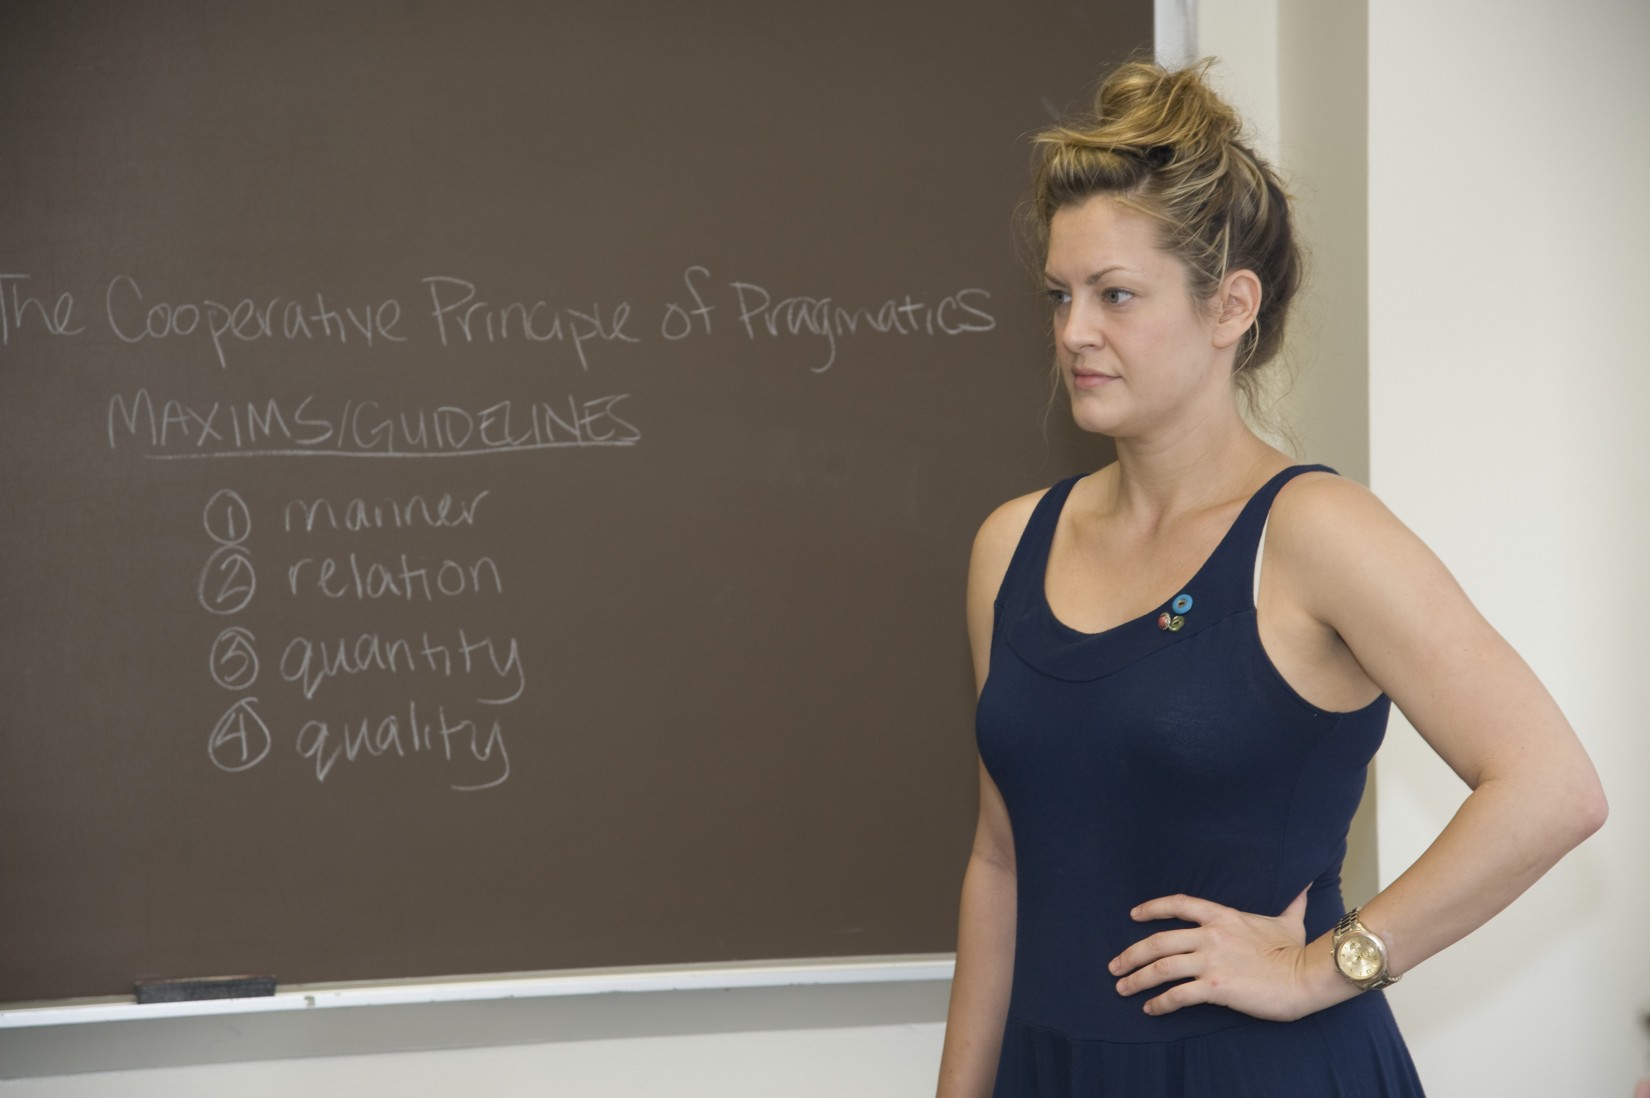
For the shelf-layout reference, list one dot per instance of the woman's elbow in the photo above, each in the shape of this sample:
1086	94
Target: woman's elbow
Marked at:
1580	806
1566	803
1593	810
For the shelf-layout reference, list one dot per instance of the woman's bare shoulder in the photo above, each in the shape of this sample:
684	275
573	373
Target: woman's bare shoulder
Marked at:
993	550
999	534
1318	511
1343	548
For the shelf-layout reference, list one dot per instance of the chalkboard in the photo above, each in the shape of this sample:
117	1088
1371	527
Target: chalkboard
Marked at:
488	486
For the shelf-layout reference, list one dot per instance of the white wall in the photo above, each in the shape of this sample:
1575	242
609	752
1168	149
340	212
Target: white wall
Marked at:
1509	397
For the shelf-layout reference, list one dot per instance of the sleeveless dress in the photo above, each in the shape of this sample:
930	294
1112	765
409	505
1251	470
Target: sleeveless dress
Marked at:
1154	759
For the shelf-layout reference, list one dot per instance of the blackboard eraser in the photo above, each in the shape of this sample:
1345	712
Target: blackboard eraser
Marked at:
190	989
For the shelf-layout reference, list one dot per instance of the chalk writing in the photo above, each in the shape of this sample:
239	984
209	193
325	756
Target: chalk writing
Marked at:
240	740
204	328
493	665
132	320
677	323
309	428
352	740
956	314
228	581
413	582
227	518
15	310
356	515
310	663
234	659
460	317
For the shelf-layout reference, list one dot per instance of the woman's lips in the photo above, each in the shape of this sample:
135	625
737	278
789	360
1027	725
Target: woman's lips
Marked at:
1090	379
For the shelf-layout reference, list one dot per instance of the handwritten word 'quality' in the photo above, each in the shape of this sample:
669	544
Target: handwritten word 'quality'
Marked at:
351	740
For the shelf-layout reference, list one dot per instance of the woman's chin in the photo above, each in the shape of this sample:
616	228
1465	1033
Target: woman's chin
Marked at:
1089	415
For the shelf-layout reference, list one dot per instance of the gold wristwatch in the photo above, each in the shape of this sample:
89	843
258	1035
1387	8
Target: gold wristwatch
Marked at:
1360	955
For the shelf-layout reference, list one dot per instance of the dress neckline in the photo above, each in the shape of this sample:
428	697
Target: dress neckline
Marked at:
1221	587
1198	574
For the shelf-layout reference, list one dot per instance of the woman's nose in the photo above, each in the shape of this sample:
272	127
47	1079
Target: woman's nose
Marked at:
1076	330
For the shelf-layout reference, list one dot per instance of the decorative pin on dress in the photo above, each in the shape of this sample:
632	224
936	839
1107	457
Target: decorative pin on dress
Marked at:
1174	619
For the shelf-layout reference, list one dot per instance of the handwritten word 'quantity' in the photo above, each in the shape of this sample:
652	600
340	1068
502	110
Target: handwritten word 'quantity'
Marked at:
310	663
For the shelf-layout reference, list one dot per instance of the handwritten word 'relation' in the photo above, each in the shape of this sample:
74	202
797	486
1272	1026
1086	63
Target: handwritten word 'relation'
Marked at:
361	429
407	579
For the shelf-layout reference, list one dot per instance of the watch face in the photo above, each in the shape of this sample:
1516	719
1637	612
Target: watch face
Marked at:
1359	957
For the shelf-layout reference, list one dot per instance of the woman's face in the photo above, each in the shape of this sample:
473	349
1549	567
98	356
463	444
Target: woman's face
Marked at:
1135	351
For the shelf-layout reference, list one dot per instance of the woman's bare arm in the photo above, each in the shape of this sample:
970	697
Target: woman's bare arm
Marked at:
986	923
1535	794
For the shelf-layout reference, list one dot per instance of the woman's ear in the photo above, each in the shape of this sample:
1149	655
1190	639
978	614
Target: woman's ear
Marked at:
1237	304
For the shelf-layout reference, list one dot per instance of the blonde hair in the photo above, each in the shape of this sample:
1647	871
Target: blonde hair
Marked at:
1164	144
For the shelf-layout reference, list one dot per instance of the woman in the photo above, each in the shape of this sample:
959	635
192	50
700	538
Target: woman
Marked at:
1186	660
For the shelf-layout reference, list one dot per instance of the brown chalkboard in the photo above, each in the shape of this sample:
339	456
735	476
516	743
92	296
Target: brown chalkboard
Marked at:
487	486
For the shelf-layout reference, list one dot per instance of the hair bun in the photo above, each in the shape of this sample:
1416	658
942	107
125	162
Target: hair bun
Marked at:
1144	107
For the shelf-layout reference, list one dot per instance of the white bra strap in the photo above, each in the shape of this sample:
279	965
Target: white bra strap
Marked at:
1260	552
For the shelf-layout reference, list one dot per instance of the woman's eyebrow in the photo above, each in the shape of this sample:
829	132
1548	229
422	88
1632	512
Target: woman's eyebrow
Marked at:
1102	273
1091	279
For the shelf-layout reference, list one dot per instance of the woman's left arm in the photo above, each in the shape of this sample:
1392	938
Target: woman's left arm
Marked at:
1349	565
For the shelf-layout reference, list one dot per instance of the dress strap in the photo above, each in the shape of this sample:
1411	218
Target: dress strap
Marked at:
1240	551
1030	560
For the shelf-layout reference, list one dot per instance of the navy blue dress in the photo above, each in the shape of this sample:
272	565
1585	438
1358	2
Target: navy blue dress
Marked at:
1146	761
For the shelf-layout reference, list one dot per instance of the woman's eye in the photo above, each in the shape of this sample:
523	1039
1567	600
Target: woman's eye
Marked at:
1057	297
1115	296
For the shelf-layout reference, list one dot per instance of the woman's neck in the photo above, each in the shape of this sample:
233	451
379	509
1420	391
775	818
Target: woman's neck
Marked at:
1201	464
